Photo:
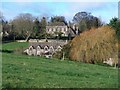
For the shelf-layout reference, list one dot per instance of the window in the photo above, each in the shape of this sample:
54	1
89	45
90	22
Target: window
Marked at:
50	29
58	29
63	30
54	29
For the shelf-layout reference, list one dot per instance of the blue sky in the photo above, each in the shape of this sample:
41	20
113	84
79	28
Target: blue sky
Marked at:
104	10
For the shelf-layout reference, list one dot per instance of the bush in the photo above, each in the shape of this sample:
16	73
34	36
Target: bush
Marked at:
19	50
94	46
65	51
57	55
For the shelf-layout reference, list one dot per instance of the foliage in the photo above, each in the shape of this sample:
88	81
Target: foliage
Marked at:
40	28
80	15
36	28
58	34
86	21
115	23
95	45
43	24
5	29
23	25
66	50
21	71
57	19
58	55
82	25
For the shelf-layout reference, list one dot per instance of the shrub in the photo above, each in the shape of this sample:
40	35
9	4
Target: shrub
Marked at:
19	50
58	55
95	45
65	51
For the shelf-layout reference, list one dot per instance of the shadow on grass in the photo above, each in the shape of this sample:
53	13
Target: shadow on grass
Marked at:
6	51
3	42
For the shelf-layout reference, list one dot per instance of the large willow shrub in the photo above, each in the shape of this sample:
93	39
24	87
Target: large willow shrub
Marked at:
95	45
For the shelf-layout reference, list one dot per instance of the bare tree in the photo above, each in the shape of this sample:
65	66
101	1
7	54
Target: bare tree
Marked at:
23	25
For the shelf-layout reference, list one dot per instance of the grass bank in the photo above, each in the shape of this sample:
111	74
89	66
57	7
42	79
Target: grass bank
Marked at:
22	71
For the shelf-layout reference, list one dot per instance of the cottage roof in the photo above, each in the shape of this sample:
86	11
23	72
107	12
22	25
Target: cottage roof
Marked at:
43	44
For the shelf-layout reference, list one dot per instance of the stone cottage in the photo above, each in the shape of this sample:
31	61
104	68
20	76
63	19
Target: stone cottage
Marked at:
46	49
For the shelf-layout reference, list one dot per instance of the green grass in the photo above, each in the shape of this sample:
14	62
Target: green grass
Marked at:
14	45
24	71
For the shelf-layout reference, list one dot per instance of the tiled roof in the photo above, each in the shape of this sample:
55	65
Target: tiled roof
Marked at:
43	44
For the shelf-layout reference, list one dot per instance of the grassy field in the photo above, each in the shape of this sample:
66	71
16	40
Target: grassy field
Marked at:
22	71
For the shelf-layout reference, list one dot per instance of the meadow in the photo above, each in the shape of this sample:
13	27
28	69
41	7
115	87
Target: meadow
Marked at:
22	71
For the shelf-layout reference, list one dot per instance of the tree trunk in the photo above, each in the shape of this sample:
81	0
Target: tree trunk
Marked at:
27	38
14	38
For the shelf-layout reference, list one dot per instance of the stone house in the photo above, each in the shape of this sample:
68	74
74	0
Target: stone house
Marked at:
51	29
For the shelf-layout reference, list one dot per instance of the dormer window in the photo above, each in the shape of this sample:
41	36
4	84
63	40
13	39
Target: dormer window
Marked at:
51	48
46	48
38	48
59	48
30	50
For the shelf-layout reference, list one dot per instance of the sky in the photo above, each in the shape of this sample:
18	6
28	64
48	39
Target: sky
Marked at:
105	10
